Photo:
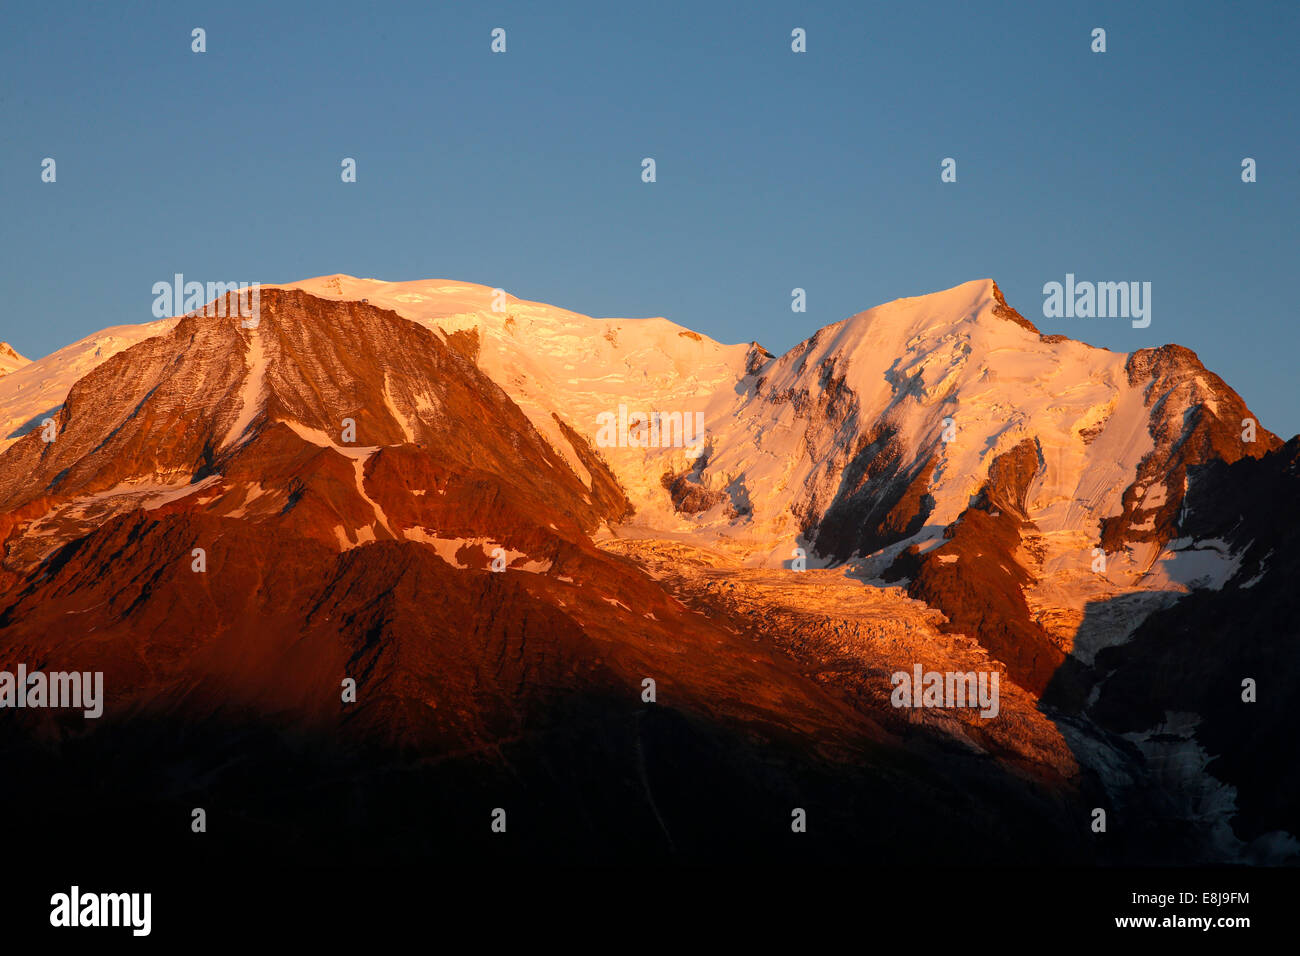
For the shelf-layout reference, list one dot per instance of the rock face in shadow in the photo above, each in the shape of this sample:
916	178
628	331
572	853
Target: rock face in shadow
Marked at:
1176	688
882	498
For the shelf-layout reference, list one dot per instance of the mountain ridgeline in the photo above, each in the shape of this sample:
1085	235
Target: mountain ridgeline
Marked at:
365	569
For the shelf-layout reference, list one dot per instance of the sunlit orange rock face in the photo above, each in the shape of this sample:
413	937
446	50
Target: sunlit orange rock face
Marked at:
233	522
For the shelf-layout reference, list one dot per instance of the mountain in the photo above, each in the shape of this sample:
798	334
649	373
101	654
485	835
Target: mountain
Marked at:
837	446
412	485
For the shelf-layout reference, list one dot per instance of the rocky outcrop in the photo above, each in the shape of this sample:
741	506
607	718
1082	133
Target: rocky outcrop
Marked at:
301	406
978	575
1195	418
883	497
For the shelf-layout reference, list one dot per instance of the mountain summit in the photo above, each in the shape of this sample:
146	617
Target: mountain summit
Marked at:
10	360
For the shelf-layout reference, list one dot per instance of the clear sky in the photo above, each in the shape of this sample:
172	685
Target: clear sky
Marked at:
775	170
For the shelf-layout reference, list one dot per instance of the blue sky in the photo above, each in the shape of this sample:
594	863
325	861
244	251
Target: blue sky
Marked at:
775	170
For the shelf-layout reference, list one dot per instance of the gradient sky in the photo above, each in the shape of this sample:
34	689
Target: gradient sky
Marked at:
775	170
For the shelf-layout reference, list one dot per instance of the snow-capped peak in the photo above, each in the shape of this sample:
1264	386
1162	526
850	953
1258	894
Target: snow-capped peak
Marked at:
10	360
